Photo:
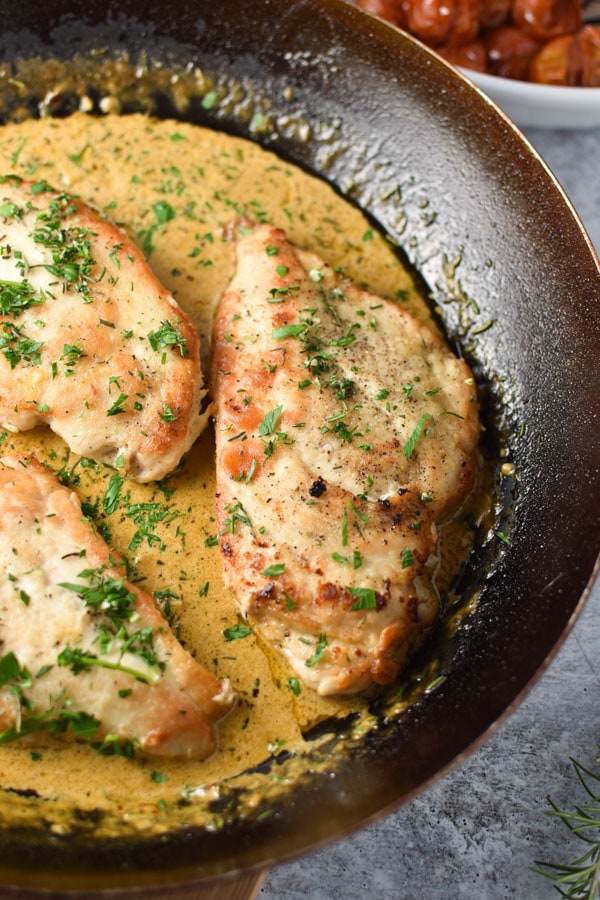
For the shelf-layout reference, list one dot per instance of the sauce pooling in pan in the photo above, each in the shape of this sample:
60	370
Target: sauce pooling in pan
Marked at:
175	188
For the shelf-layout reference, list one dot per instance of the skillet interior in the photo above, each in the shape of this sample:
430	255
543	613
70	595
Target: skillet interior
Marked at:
481	218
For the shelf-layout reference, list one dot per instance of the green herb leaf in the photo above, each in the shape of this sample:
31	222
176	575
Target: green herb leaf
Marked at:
169	335
10	670
269	423
78	660
16	296
365	598
113	494
407	558
8	209
159	777
209	100
410	446
345	528
118	406
319	652
237	513
80	724
285	331
275	569
163	211
236	632
167	414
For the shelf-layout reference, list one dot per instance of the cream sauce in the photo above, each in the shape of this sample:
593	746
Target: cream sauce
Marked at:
174	188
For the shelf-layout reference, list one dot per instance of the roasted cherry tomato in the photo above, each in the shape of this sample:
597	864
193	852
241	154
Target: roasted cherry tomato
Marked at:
541	40
438	22
467	22
589	38
572	59
495	13
470	56
545	19
390	10
557	62
510	51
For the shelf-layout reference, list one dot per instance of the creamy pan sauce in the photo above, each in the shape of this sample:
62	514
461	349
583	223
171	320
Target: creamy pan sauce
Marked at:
174	188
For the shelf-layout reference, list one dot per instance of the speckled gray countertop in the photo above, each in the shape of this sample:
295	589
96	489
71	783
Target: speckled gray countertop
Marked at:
476	833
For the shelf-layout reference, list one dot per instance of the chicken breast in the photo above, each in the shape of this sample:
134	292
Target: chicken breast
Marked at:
86	654
346	431
90	342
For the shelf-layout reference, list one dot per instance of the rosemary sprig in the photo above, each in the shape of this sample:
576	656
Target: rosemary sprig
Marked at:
580	879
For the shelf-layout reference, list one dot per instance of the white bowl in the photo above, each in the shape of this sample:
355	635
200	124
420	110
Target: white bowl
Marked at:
541	105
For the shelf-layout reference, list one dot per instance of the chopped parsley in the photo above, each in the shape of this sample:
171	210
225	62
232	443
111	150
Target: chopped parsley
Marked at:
164	212
113	494
275	569
169	335
407	558
319	652
365	598
410	446
236	632
118	406
269	423
16	296
17	348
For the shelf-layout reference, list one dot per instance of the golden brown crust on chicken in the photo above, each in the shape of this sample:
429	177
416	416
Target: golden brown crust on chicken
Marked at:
346	431
86	653
90	341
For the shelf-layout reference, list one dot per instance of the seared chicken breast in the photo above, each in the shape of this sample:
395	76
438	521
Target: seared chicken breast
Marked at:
86	654
346	432
90	342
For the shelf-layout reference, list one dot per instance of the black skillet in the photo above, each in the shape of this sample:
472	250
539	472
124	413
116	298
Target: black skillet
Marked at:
478	214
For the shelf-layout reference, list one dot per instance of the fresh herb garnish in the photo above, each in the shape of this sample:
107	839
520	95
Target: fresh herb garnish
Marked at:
147	516
55	722
580	879
407	558
118	406
269	423
113	494
292	330
78	660
237	513
319	652
16	296
410	446
167	414
164	212
169	335
17	348
365	598
236	632
275	569
104	593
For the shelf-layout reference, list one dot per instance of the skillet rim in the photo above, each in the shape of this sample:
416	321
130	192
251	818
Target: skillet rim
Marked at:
477	111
